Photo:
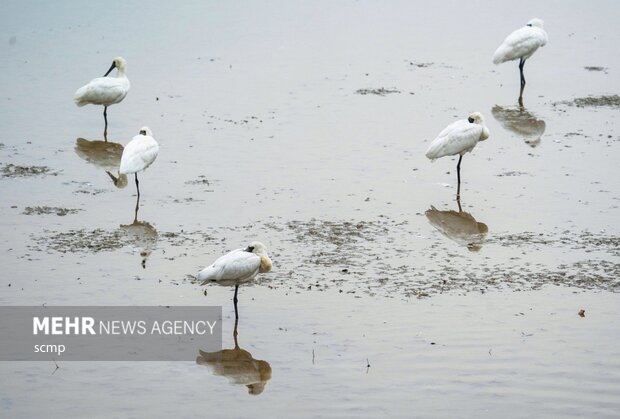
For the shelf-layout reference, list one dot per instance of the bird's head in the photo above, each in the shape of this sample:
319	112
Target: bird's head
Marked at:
538	23
257	248
476	118
146	131
119	63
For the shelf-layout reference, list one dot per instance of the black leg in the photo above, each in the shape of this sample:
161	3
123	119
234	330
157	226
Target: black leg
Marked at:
235	332
235	300
137	199
521	65
105	118
458	177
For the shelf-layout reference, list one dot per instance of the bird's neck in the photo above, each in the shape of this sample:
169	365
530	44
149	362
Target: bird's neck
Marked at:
485	133
265	264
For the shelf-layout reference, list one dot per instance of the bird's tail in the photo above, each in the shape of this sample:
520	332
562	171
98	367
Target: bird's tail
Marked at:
433	151
79	95
206	275
500	55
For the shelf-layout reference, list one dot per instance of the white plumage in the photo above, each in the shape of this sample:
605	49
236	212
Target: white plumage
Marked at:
139	153
238	266
104	90
460	137
522	43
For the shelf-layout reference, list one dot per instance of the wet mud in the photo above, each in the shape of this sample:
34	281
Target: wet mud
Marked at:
381	91
611	101
45	210
10	170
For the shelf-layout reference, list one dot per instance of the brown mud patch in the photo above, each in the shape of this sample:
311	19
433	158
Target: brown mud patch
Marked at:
11	170
595	68
611	101
381	256
203	181
420	64
100	240
384	257
45	210
381	91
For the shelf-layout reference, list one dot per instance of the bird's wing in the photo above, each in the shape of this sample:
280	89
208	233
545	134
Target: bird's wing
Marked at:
458	137
237	265
141	151
100	91
521	43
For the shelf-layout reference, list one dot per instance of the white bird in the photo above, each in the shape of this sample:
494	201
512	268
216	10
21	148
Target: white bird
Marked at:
460	137
237	267
521	44
139	154
105	91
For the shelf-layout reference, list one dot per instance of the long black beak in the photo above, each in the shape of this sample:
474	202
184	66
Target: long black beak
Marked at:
112	67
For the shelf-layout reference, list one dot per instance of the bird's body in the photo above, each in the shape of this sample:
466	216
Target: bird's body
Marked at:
237	267
104	90
522	43
460	137
139	153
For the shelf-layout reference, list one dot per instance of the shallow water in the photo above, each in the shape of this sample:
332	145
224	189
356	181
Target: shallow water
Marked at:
305	126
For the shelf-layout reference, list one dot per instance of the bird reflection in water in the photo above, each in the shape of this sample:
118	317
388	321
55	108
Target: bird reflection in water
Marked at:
143	236
521	122
104	155
459	226
238	366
